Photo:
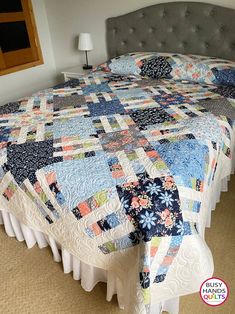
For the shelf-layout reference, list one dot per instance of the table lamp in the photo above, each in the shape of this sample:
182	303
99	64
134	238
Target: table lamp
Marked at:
85	44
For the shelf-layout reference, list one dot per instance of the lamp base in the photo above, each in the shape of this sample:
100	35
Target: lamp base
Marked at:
87	67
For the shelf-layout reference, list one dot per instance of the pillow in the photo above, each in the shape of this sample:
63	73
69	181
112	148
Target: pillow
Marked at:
124	65
225	77
199	69
194	68
128	64
193	72
156	67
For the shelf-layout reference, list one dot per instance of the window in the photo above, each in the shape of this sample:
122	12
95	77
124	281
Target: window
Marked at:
19	43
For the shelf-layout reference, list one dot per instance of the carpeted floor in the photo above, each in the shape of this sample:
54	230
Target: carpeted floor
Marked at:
30	282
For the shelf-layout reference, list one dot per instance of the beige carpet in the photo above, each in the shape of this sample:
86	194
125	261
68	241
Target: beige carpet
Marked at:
30	282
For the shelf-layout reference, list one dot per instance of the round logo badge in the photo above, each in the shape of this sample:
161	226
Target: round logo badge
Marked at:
214	291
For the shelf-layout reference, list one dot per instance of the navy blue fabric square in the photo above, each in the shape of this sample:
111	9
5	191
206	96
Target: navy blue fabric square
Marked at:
156	67
71	83
4	134
105	108
225	91
23	160
150	116
225	76
9	108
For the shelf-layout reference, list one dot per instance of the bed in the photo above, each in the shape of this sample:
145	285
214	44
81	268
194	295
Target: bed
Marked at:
119	174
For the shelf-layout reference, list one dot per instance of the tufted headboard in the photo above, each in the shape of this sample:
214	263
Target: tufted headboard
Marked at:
182	27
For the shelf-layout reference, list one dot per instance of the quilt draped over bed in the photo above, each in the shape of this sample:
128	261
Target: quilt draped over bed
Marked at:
120	170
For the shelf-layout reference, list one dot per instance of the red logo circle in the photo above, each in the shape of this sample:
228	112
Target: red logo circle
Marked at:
214	291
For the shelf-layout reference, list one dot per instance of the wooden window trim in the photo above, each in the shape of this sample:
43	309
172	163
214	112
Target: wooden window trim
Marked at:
11	17
20	67
28	16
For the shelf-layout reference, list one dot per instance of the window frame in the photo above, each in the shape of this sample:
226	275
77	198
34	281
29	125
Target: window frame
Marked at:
26	15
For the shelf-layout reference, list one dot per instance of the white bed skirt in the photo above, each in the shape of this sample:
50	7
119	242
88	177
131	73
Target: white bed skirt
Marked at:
88	275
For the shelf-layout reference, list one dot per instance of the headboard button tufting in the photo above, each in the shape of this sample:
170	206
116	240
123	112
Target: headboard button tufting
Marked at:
141	43
198	28
152	29
186	13
212	12
161	43
162	13
222	28
183	44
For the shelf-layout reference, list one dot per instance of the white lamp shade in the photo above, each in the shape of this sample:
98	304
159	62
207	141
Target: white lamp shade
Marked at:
85	42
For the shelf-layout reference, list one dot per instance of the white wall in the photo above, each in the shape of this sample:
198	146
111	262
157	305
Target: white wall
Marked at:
70	17
25	82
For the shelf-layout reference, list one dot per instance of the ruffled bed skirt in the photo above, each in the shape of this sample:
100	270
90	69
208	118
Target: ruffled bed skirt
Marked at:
222	186
88	275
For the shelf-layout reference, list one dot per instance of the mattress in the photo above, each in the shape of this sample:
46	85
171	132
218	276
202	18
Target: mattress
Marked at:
122	172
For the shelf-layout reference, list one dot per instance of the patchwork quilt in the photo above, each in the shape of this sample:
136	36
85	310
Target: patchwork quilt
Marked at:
121	171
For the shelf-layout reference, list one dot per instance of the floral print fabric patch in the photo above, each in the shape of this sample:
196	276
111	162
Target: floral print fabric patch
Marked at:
152	205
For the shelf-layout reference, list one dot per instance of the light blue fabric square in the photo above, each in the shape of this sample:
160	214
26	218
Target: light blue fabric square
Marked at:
73	126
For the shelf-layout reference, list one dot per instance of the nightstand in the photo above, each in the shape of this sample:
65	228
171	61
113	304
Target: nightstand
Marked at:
74	72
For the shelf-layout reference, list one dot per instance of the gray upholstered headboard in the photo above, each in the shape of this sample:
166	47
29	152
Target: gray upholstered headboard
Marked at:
182	27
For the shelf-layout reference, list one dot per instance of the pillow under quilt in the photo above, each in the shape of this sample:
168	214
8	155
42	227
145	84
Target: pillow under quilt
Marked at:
194	68
128	64
201	69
